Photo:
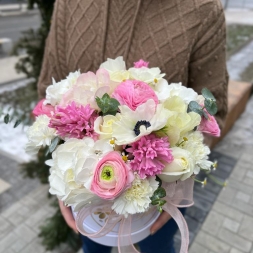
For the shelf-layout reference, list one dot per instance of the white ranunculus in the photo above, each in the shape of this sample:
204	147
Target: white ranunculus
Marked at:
180	168
195	145
72	166
39	134
103	126
147	75
116	68
149	116
136	199
176	89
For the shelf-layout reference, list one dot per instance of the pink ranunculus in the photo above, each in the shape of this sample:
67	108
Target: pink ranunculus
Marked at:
112	176
41	109
209	126
141	63
134	93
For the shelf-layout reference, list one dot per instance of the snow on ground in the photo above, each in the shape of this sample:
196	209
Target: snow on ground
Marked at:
13	140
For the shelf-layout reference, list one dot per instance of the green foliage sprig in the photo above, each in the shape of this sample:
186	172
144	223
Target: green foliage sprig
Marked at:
209	104
159	193
108	105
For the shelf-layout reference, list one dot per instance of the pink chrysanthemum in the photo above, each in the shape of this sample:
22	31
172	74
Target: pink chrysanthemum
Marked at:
74	121
140	64
150	155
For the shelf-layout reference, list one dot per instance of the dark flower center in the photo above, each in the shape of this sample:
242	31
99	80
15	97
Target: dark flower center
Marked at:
139	124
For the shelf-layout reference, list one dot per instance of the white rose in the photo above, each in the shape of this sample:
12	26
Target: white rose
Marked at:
180	168
103	126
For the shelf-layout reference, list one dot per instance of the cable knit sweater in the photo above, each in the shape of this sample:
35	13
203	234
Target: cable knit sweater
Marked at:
185	38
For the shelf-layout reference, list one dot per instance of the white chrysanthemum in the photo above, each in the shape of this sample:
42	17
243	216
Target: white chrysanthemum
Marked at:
116	68
136	199
165	91
132	125
147	75
198	150
39	134
72	167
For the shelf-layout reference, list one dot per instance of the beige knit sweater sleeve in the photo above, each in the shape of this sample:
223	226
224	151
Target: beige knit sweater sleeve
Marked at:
54	66
207	66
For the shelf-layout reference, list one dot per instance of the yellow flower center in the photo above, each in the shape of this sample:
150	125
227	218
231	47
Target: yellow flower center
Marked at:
107	173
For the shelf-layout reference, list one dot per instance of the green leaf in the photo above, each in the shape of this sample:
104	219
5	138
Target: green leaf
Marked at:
17	123
162	202
195	107
159	202
159	181
211	106
54	144
6	118
207	94
107	105
158	193
155	202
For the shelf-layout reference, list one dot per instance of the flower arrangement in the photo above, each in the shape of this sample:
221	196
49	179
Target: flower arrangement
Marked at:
120	135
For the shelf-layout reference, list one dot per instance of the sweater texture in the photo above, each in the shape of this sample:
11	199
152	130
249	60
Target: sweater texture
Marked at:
185	38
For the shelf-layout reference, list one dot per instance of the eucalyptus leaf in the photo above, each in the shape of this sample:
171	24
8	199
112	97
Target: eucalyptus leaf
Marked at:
6	118
207	94
211	106
205	114
54	144
195	107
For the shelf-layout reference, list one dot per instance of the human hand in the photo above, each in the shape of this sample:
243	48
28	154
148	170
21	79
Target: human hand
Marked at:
162	219
68	216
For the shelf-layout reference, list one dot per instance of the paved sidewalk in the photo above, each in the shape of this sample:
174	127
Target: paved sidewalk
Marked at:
235	16
229	225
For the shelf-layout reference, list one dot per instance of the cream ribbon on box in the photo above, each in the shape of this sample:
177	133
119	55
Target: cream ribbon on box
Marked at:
178	194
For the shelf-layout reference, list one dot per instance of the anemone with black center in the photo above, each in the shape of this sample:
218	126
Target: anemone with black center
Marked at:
139	124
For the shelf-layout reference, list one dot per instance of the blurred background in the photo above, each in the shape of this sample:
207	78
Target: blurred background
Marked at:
221	221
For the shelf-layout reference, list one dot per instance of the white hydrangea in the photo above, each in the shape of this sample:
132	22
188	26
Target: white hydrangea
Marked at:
136	199
72	167
39	134
198	150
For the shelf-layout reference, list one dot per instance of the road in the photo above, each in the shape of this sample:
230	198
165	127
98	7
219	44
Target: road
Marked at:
12	26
